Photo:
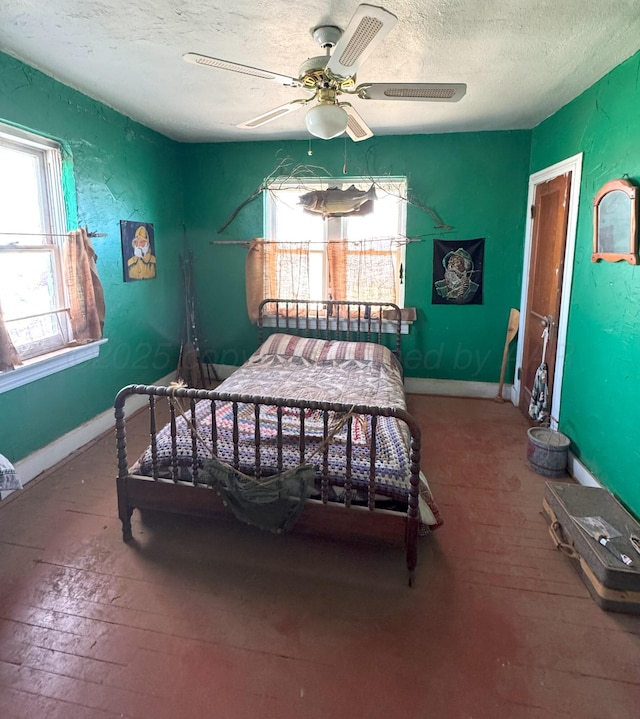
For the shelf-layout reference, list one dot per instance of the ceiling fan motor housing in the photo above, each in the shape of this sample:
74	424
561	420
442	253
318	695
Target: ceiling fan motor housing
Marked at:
326	35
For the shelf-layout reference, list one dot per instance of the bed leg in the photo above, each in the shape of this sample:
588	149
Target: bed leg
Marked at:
127	534
412	550
124	510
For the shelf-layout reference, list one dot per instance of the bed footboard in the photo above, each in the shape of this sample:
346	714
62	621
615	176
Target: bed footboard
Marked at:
167	486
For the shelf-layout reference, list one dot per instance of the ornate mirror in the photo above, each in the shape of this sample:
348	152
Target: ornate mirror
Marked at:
615	220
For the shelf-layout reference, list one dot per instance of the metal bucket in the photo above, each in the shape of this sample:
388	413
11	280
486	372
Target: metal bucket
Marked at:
548	451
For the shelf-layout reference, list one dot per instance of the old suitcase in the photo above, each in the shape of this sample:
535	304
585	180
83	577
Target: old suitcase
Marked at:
614	585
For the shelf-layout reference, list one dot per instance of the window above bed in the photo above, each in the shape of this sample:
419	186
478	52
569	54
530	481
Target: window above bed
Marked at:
348	245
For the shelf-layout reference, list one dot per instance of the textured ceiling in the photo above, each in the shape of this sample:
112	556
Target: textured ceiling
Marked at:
521	59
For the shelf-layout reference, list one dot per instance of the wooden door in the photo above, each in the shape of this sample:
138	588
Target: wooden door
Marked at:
550	214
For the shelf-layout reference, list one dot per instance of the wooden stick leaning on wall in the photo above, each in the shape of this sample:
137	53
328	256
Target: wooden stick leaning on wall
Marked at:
512	330
190	367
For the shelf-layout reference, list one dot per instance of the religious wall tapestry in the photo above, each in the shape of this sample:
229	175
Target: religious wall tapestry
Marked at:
457	272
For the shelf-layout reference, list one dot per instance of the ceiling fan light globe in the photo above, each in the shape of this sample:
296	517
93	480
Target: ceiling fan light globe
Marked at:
326	121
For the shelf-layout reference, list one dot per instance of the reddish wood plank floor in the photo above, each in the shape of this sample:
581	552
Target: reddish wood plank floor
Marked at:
197	619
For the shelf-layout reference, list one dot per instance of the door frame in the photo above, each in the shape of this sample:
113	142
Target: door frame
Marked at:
574	165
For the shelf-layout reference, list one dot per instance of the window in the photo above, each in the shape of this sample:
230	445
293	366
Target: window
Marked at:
32	228
357	257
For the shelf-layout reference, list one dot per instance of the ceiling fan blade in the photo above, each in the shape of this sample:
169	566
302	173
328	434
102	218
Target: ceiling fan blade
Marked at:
274	114
357	128
367	28
421	91
197	59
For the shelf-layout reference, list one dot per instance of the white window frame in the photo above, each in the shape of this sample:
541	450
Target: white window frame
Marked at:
333	226
51	355
53	219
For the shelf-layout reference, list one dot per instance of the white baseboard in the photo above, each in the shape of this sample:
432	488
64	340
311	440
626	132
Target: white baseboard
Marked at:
455	388
580	473
46	457
489	390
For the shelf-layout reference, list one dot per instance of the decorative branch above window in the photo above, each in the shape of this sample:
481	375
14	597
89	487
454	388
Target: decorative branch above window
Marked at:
615	222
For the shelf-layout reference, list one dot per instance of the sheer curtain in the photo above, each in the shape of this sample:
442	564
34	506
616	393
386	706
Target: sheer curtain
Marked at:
361	271
278	270
288	270
357	270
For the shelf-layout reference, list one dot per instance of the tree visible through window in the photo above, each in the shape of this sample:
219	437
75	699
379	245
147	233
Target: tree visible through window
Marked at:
32	228
354	257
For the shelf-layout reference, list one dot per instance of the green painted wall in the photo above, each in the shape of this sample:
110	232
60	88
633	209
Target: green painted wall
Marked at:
122	171
600	393
476	182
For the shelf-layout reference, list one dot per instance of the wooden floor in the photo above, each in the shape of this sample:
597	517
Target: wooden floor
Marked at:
219	620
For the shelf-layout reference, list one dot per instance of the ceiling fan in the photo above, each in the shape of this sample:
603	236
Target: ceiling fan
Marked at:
327	78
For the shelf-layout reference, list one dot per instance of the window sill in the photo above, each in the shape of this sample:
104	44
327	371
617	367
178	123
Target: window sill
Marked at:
285	323
40	367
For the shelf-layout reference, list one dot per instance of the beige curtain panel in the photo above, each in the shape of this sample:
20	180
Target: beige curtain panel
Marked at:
86	298
254	277
9	357
86	295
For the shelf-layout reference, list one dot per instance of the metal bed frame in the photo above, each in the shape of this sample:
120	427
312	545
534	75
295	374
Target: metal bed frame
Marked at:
330	320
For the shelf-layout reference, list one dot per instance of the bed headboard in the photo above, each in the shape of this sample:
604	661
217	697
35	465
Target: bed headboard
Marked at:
333	319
